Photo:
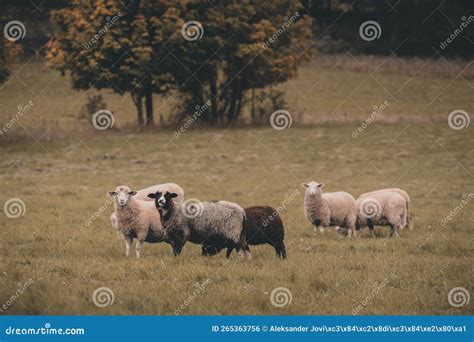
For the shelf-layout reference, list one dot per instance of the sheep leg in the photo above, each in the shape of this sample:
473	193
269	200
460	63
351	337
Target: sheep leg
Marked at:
392	231
128	244
138	248
247	253
280	251
397	231
229	252
177	249
178	243
371	228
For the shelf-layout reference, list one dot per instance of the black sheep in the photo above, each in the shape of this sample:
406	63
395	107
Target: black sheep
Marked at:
263	225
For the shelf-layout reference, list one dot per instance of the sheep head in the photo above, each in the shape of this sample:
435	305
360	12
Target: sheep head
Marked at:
163	201
122	195
313	187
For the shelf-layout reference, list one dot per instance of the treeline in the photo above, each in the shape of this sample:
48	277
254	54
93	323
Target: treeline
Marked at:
408	27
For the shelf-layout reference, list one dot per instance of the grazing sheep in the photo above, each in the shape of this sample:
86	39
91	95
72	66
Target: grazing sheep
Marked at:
384	208
405	195
143	195
263	225
329	209
136	219
217	223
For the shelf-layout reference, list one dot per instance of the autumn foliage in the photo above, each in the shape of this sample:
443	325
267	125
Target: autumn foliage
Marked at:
197	51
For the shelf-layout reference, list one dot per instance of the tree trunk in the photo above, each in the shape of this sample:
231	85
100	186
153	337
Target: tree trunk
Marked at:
213	91
138	102
149	102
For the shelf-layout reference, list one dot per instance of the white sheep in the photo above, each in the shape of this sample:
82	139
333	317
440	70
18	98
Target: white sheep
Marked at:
143	195
329	209
217	223
404	194
384	208
137	219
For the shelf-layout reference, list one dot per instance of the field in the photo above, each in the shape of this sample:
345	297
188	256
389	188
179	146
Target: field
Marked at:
63	183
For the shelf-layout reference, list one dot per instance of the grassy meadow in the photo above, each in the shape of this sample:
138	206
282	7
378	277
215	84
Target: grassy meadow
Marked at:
63	181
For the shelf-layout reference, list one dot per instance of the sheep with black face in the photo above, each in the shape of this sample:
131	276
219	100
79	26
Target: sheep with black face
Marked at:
215	222
175	224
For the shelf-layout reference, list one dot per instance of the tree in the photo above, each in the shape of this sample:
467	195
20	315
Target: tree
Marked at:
245	45
9	54
113	45
142	47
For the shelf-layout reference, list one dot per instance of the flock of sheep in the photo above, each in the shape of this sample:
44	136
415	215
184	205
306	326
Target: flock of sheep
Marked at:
160	214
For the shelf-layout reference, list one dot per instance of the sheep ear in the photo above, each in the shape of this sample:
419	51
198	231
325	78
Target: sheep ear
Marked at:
173	195
112	193
152	195
132	193
321	185
304	185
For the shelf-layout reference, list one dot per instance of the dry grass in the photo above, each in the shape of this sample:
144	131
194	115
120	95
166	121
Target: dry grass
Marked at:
64	183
